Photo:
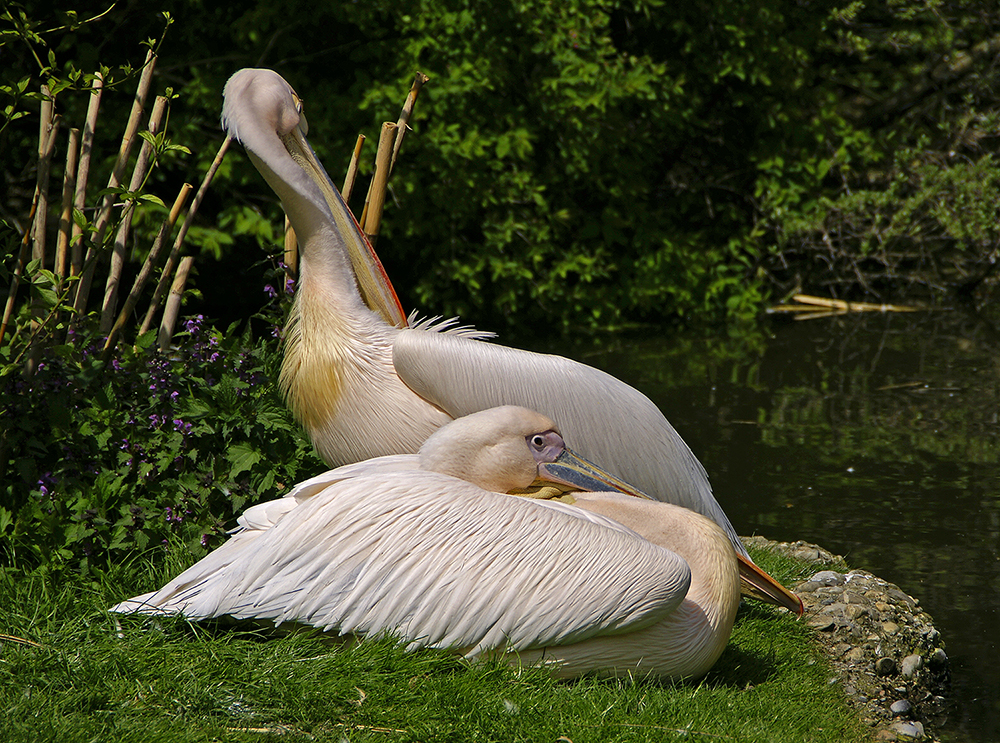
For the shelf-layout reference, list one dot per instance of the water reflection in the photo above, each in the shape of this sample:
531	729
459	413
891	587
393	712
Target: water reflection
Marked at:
873	435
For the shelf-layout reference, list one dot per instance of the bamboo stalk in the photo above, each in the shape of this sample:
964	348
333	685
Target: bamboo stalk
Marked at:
147	267
104	216
352	170
371	217
173	305
168	267
48	132
404	116
851	306
291	257
142	163
22	260
61	264
46	137
83	172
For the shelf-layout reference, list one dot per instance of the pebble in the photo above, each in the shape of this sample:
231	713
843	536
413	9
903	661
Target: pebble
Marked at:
912	664
828	578
908	729
938	659
890	628
885	666
900	708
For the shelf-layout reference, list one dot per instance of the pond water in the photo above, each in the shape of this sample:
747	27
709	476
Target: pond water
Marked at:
874	435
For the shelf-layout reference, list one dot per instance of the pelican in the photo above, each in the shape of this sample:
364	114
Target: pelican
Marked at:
363	384
430	549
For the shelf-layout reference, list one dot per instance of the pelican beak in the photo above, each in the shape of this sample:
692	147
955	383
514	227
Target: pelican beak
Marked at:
576	472
757	584
373	282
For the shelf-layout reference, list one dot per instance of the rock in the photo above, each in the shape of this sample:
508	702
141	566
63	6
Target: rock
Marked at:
912	664
828	578
900	708
890	628
885	666
854	655
908	729
938	659
823	622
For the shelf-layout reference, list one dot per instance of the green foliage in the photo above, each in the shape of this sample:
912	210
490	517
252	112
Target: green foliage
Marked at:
103	459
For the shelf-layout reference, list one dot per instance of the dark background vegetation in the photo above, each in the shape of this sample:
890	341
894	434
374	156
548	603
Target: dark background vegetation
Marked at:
572	165
586	163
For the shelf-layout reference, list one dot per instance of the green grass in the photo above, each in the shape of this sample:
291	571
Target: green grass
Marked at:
93	676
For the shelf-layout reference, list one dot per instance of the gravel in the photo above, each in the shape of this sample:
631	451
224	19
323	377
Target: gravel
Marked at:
889	658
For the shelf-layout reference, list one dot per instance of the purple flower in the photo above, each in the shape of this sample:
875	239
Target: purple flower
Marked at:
289	285
270	291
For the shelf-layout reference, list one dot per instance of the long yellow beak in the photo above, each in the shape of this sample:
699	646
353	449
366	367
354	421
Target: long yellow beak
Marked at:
373	282
757	584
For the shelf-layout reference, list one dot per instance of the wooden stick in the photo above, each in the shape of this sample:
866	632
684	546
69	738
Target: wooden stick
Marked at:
404	116
371	217
83	173
22	260
48	133
352	170
104	216
121	238
173	306
147	268
46	136
851	306
66	215
168	268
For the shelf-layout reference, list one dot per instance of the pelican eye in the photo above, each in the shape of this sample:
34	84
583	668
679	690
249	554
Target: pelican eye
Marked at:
538	441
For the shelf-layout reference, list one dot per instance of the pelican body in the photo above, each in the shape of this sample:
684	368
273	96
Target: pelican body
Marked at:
364	382
430	549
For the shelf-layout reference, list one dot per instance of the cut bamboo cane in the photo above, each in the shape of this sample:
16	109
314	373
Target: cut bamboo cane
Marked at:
371	217
147	268
83	172
104	215
352	170
291	257
48	134
404	116
173	306
168	268
61	265
22	260
142	163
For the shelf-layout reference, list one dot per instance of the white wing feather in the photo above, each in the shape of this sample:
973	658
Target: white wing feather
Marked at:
467	570
606	420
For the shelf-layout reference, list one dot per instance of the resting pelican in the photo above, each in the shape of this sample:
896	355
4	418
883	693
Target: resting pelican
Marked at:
363	385
430	549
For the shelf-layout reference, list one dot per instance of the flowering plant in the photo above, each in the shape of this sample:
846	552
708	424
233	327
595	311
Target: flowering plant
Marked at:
100	458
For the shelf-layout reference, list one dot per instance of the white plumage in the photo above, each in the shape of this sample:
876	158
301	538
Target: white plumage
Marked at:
362	386
612	583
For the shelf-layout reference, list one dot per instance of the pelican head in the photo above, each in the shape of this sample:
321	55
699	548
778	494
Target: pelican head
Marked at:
509	448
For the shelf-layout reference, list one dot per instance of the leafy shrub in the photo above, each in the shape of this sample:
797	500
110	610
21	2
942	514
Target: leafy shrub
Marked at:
102	459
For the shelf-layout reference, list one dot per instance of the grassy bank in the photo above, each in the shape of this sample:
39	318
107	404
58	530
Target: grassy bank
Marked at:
69	671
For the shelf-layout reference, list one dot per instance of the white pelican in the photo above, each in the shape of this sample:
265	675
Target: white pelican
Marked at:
428	548
363	385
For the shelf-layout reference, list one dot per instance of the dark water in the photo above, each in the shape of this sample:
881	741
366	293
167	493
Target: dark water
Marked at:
876	436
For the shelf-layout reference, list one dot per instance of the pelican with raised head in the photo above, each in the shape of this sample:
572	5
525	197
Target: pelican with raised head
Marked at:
430	549
364	384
